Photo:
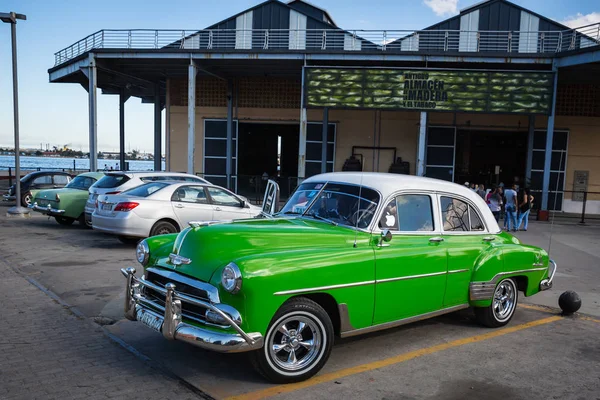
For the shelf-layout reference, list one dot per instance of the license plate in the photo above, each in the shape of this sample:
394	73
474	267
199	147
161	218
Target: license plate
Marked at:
106	206
149	320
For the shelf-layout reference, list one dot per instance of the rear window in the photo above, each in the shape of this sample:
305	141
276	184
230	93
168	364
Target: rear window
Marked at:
146	189
111	181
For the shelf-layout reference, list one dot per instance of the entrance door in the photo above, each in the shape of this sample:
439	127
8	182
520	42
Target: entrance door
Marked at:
411	268
440	157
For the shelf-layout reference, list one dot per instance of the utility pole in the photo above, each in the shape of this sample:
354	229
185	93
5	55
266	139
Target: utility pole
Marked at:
11	18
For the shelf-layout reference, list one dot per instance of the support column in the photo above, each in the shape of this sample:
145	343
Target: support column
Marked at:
530	136
324	140
229	134
302	143
122	99
168	127
191	116
93	110
422	144
157	129
549	140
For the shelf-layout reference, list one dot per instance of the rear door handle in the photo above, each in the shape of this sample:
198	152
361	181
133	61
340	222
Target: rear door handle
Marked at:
436	239
179	206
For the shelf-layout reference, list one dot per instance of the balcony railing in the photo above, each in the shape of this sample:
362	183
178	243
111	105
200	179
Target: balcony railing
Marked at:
327	40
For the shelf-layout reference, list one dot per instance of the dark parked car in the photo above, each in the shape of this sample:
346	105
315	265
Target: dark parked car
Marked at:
36	181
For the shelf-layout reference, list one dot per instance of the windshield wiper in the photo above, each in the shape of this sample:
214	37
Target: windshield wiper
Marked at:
322	219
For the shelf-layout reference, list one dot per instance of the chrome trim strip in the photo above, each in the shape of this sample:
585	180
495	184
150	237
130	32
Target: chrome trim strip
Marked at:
316	289
458	271
402	278
177	244
212	292
404	321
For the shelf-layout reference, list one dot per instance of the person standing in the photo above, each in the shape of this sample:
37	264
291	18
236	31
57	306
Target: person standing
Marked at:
525	203
481	191
511	208
494	201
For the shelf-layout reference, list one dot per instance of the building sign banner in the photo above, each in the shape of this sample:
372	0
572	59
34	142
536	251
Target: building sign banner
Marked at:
429	90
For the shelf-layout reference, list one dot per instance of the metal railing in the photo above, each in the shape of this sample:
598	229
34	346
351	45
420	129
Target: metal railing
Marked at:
317	40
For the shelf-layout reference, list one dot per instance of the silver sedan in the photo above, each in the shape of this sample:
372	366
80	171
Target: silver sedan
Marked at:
161	207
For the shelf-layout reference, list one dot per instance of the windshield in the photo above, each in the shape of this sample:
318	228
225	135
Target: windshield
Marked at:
338	203
146	190
81	183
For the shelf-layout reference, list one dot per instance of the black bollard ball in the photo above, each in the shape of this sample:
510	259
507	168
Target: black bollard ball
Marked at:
569	302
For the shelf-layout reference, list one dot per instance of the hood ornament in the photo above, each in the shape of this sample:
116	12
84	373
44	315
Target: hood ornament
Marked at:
178	260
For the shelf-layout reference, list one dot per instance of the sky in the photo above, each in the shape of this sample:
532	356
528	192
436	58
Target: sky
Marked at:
57	113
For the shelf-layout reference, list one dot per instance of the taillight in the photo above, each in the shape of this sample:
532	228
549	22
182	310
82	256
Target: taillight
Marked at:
126	206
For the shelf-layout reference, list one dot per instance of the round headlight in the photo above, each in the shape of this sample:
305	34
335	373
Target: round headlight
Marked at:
142	252
231	278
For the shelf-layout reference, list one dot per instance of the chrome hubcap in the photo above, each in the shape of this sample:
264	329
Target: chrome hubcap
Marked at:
295	344
504	300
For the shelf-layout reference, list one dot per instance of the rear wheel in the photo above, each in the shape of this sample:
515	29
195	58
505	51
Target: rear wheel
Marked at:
297	344
64	220
503	306
26	199
163	228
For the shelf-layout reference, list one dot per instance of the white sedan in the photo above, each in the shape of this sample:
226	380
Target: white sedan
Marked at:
162	207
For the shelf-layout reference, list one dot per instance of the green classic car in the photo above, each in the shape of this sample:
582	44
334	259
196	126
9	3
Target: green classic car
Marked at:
350	253
67	204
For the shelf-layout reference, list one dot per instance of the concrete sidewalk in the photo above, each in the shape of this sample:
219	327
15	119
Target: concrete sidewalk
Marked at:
50	353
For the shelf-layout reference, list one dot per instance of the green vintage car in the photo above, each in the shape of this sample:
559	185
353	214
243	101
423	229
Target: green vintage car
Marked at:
350	253
67	204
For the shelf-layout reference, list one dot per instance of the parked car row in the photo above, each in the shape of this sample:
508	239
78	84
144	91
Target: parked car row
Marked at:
134	205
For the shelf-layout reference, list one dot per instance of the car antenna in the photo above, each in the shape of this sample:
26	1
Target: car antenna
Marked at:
555	197
358	207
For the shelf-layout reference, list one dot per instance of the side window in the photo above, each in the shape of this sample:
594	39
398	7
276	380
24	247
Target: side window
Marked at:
476	224
60	180
389	217
455	214
408	213
190	194
43	180
222	198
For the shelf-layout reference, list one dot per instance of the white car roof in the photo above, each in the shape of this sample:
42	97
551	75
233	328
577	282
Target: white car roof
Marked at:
387	184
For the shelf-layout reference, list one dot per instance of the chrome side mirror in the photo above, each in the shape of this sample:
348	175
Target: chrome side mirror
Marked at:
386	236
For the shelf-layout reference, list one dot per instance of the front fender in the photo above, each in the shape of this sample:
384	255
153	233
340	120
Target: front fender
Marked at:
270	279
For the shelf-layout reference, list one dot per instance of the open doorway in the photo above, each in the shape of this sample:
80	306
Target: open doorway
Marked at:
268	148
490	157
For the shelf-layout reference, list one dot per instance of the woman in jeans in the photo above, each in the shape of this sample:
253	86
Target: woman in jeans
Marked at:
494	201
524	208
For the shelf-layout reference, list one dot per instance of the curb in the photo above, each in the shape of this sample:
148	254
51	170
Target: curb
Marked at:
118	341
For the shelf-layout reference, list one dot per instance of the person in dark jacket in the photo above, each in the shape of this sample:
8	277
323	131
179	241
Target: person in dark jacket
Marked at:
525	204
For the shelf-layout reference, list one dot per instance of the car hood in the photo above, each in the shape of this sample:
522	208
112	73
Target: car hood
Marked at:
212	247
50	194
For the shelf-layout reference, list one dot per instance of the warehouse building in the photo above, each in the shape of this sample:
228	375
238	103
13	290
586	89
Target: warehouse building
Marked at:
493	95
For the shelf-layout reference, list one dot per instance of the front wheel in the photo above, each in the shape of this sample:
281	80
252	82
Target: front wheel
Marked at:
503	306
297	344
64	220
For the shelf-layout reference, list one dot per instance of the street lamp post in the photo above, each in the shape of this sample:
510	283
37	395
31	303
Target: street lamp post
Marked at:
11	18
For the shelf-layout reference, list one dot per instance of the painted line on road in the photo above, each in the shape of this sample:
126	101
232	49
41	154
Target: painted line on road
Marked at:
280	389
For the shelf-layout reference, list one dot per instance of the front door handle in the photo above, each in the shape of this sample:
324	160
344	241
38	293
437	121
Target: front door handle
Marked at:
488	238
217	208
179	206
436	239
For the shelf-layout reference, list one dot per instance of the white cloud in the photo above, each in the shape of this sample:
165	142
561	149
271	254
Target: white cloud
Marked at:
443	7
575	21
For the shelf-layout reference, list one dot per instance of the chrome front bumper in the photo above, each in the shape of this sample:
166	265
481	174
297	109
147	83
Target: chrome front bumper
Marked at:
46	210
170	323
547	283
